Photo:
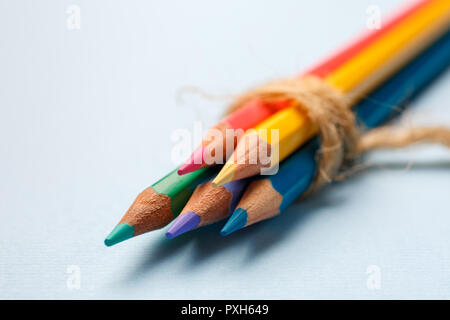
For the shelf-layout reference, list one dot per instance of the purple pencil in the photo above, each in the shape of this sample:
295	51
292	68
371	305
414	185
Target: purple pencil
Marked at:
207	205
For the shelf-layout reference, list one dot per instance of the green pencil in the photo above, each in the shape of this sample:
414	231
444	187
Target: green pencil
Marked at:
157	205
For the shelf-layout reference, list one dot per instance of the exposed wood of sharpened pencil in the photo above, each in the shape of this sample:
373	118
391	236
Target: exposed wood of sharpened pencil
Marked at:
207	205
256	111
157	205
290	182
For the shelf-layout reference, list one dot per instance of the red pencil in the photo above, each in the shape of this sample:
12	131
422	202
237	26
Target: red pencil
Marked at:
218	140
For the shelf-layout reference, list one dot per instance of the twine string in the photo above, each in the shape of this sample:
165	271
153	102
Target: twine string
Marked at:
342	140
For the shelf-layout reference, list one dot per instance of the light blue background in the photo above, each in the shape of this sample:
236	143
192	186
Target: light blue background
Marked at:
86	118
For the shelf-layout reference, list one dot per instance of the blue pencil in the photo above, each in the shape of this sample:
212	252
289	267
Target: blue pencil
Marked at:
207	205
270	195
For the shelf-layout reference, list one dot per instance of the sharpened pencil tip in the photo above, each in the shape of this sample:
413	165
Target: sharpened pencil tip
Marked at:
237	221
194	162
121	232
225	176
188	167
184	223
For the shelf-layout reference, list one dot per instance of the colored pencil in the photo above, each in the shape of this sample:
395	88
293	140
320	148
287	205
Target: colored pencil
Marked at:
244	118
256	111
207	205
270	195
158	205
354	78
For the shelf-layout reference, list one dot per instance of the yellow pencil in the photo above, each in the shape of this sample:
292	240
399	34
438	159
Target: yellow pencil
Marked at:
355	78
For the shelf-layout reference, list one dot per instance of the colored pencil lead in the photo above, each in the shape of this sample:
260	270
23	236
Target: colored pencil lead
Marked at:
237	221
186	222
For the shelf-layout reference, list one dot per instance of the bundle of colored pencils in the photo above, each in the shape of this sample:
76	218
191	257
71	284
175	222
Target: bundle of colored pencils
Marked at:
379	72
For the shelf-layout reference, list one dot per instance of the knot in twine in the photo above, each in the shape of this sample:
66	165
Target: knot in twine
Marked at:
342	139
